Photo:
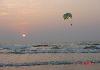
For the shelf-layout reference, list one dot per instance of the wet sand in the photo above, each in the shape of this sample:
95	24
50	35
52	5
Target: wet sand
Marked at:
20	58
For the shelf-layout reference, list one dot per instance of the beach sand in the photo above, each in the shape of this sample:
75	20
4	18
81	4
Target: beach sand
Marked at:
21	58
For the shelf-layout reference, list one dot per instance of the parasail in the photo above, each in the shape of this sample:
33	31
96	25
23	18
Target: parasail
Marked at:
67	16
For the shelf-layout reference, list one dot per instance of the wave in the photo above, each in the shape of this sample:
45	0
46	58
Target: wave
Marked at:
47	63
83	47
34	51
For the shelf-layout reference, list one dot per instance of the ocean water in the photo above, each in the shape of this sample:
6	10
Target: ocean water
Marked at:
57	56
67	47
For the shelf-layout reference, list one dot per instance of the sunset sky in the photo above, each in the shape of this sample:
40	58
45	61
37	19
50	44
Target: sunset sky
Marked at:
41	20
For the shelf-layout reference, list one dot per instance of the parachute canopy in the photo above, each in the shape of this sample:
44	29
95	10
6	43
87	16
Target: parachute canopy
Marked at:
67	16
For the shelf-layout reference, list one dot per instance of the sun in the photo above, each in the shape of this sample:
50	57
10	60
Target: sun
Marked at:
24	35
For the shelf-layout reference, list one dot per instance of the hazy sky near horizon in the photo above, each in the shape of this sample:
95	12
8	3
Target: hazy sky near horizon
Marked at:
41	20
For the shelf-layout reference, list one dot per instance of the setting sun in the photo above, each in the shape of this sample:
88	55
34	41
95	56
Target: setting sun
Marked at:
24	35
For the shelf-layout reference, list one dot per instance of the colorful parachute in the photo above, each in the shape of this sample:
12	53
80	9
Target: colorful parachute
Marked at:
67	16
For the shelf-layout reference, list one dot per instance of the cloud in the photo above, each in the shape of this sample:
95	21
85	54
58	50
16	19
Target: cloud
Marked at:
3	13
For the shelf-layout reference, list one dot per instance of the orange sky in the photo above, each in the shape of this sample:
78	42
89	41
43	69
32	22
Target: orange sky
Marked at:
42	19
